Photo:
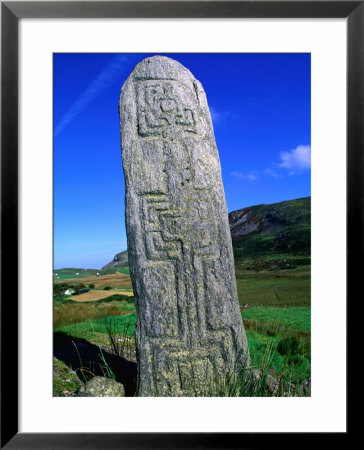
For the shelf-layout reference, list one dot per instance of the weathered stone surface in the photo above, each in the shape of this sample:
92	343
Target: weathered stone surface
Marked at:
101	387
189	329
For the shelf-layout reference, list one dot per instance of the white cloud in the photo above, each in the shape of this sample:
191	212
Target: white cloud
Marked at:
103	80
271	173
297	159
215	116
219	117
251	176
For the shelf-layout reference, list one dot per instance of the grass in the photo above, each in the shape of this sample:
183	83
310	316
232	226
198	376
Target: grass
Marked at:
289	330
70	273
297	319
124	270
66	312
121	336
281	288
65	381
292	360
97	330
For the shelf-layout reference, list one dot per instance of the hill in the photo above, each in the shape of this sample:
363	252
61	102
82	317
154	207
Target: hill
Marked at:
275	228
120	260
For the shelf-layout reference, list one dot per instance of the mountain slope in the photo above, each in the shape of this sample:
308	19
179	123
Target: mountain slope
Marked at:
119	260
283	227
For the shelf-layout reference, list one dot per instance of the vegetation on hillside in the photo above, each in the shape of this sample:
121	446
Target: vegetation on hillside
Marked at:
283	227
120	260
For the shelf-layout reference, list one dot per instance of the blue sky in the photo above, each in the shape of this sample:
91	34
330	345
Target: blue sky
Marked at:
261	111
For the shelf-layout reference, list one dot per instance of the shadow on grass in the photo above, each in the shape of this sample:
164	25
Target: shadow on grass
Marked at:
84	358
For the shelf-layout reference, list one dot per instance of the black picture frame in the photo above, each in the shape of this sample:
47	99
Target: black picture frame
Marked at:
11	12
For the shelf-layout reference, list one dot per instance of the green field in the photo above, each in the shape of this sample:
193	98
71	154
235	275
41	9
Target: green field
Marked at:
289	331
71	273
297	318
275	288
124	270
67	312
94	329
67	273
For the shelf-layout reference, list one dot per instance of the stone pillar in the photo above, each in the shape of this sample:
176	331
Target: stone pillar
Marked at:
190	335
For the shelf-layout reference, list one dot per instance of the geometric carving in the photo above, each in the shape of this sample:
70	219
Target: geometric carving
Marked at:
161	107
